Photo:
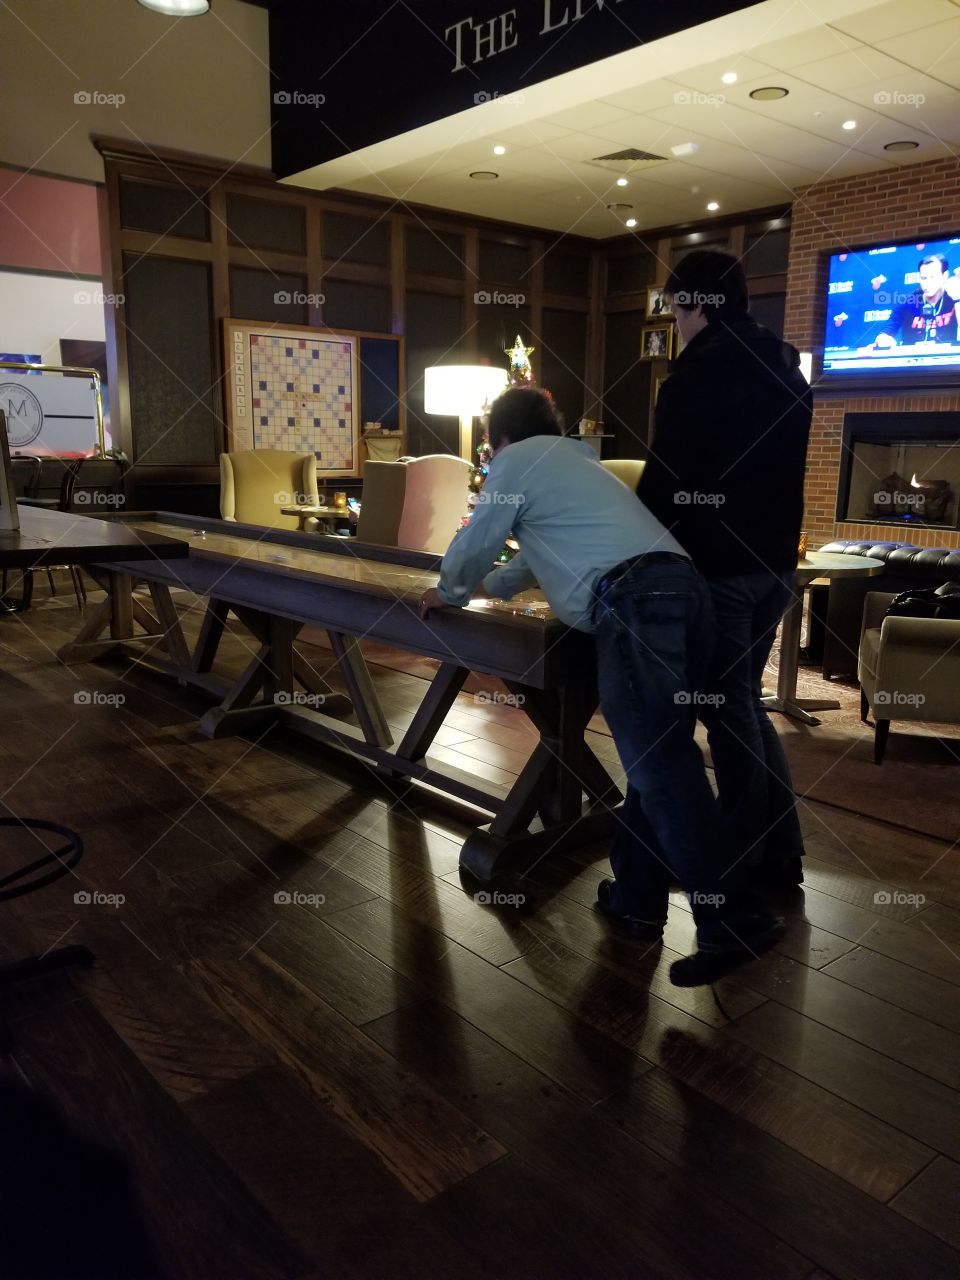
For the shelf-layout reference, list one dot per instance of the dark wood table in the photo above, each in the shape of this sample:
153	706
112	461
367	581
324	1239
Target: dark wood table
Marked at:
277	581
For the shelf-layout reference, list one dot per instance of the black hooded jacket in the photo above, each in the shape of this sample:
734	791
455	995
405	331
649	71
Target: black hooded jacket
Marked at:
725	472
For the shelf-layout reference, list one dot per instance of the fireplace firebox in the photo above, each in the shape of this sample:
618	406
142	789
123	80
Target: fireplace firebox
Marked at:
900	469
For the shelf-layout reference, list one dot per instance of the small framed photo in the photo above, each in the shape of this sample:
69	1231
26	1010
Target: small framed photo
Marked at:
655	342
657	304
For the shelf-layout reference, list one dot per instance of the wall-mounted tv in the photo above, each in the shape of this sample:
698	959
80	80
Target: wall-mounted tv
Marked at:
892	313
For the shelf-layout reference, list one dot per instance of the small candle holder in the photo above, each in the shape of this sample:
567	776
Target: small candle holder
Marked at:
340	500
802	545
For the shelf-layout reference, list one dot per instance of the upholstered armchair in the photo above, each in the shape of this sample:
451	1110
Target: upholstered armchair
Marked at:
909	669
417	504
256	484
629	470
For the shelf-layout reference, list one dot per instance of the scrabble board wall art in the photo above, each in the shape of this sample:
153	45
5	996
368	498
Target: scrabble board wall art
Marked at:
293	387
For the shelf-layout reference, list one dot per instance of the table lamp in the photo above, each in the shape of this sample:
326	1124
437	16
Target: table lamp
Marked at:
462	391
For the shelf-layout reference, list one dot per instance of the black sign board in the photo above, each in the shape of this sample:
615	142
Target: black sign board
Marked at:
349	74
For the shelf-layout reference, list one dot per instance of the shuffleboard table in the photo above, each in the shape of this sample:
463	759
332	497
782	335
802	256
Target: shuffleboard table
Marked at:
276	582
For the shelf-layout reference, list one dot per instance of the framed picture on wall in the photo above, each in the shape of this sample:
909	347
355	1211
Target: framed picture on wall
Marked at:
296	388
656	342
657	304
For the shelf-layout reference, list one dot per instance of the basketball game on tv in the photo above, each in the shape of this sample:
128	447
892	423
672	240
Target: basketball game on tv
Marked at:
894	307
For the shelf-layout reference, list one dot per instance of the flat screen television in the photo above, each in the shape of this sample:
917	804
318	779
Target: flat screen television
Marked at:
892	313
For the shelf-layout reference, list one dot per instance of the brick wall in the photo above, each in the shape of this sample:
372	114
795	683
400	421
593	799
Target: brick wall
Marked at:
921	200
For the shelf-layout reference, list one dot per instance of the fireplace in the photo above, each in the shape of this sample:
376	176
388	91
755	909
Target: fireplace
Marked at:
900	469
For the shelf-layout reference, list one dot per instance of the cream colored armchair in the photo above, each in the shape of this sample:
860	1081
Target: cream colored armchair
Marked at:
256	484
909	669
417	505
629	470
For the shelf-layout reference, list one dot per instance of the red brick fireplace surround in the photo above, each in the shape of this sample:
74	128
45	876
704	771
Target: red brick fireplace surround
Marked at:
921	200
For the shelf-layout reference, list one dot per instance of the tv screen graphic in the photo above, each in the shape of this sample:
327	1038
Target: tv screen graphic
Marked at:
894	307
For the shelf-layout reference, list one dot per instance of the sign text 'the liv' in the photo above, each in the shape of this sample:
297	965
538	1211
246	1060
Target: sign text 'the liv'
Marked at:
475	42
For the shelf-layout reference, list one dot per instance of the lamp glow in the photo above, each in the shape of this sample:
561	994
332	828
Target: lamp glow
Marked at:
177	8
462	391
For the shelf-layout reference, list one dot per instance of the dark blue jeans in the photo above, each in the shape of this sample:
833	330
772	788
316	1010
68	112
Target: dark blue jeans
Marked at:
654	640
753	777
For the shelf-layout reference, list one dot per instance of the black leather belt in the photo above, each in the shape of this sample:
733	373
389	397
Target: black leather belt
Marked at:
647	557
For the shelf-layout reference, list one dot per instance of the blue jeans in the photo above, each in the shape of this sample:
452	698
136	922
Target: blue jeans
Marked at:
654	639
753	777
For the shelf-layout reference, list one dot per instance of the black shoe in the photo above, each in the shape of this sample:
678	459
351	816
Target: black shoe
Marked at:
644	930
705	967
780	877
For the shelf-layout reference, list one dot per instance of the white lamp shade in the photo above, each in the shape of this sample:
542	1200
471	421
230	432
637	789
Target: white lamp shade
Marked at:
461	390
177	8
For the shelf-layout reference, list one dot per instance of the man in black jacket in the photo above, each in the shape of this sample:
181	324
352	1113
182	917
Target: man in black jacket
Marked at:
725	475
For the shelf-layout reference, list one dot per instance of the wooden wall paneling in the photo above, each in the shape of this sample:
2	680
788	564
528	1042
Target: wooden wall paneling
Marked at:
220	279
315	262
596	337
111	256
398	261
471	284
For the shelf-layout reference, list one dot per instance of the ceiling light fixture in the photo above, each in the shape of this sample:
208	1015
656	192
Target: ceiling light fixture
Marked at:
712	207
685	148
177	8
849	124
903	145
499	149
617	206
729	77
623	182
769	93
484	175
631	222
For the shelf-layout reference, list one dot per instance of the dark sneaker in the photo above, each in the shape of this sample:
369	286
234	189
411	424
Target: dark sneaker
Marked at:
780	877
705	967
635	926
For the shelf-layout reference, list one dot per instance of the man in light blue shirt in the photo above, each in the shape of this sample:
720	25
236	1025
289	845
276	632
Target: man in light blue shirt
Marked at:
606	565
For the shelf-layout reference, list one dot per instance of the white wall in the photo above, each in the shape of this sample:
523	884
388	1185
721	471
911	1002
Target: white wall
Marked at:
37	311
195	84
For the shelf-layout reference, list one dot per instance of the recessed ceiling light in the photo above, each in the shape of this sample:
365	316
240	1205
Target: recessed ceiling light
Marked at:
618	206
729	77
712	207
177	8
769	93
849	124
685	148
484	175
499	149
631	222
903	145
623	182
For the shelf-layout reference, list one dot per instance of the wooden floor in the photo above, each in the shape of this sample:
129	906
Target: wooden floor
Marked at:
324	1057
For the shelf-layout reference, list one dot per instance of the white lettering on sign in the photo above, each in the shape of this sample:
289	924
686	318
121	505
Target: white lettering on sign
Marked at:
475	42
548	18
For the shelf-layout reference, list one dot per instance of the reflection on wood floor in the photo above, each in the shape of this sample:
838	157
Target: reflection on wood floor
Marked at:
324	1057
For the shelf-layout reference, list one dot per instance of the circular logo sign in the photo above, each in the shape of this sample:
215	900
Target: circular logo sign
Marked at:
23	412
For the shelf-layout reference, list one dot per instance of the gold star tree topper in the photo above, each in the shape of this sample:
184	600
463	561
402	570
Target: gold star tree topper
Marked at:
520	370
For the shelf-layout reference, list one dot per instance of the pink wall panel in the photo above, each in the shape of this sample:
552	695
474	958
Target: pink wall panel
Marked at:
47	224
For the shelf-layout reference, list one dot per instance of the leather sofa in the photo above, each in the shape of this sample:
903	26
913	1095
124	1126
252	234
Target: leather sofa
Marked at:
906	565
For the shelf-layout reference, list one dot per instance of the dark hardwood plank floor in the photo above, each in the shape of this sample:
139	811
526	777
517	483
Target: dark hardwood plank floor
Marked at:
321	1055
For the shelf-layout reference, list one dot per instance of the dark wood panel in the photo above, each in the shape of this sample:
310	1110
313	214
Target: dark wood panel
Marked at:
933	1200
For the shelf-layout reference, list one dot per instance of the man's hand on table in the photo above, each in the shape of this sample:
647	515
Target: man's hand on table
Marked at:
430	600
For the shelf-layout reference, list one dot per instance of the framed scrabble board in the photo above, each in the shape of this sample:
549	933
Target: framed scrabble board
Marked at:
293	387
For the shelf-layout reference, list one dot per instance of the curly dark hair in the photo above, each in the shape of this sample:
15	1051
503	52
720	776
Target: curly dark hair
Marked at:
521	412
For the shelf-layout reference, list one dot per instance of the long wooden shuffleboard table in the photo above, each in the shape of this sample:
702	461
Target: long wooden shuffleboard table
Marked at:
275	582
